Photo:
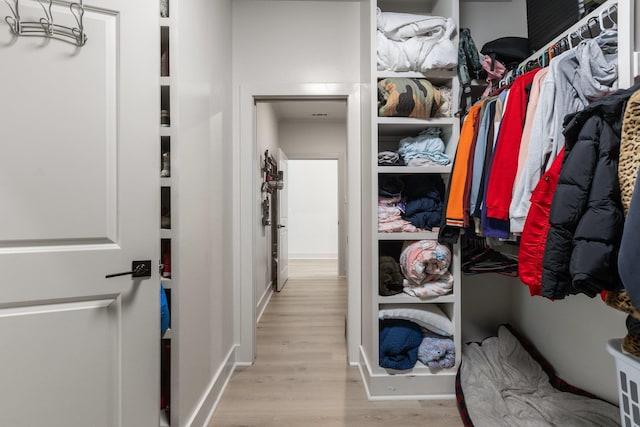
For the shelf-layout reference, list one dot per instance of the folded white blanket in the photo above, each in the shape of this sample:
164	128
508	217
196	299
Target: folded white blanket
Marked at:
403	26
429	316
407	42
420	53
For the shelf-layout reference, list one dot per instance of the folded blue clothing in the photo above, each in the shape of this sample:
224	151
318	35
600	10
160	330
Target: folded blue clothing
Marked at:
424	220
424	204
399	342
425	212
427	145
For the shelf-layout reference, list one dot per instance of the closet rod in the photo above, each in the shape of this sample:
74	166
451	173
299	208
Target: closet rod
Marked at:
574	28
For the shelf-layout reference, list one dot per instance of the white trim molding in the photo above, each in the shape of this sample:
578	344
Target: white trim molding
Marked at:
244	210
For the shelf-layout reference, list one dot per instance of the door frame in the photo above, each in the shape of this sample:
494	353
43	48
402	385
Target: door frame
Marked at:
244	160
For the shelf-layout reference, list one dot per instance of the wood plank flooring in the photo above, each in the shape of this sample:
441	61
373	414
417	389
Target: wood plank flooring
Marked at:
301	377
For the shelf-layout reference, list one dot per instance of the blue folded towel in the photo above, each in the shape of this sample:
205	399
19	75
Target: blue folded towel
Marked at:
399	342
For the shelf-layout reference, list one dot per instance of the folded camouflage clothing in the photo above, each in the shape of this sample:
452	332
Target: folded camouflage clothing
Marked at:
417	98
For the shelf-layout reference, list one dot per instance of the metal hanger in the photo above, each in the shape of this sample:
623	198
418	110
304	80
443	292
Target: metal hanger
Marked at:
46	27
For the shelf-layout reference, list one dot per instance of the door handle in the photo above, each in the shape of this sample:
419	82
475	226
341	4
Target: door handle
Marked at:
138	269
281	226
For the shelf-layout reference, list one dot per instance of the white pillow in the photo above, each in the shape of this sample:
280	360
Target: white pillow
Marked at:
430	317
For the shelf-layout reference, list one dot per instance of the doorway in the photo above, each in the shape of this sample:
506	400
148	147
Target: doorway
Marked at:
247	155
313	209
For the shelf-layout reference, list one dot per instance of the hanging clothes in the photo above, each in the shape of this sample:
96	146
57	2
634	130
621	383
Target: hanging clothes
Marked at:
516	218
455	204
575	78
586	213
534	235
501	179
629	151
630	245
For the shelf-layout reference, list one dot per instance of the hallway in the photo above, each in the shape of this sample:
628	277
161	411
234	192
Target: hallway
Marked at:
301	378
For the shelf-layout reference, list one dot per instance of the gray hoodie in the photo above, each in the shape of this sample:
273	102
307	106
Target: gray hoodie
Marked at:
575	79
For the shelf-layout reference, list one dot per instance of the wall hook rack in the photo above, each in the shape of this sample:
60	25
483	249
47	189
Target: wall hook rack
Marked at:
46	27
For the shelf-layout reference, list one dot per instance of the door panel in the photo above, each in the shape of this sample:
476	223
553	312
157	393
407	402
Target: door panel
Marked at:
283	224
84	342
63	107
79	171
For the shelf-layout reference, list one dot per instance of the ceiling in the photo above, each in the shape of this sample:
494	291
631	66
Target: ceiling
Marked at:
310	109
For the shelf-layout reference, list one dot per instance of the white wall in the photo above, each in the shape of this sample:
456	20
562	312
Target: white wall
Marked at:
572	335
482	17
286	44
295	41
202	297
313	209
307	139
278	42
267	136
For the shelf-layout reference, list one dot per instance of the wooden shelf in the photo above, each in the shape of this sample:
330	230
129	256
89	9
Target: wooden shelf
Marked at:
410	121
408	299
415	169
428	235
420	370
430	74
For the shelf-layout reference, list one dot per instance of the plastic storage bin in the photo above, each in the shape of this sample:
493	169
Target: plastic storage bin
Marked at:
628	368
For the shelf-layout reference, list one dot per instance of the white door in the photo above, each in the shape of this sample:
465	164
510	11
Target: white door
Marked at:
283	224
79	199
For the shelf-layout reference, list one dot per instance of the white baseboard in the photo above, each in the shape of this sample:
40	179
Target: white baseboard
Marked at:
313	256
263	302
404	387
201	416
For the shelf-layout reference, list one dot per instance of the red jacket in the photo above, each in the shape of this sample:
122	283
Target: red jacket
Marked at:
536	227
505	159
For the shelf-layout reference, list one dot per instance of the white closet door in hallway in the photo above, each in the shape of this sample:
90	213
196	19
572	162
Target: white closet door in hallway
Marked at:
79	172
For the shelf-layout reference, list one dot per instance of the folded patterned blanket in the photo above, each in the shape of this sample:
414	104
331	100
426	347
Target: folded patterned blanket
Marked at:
417	98
425	265
397	226
440	286
424	261
389	216
399	342
436	351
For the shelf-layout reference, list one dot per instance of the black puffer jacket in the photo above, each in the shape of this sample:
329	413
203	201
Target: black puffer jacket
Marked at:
586	214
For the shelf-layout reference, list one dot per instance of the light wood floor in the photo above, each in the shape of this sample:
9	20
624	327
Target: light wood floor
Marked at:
301	377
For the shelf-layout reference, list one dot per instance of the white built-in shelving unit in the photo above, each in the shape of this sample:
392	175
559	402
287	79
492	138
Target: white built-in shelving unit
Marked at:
386	132
166	146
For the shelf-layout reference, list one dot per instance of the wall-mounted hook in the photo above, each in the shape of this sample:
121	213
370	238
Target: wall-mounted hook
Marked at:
47	21
13	21
77	10
45	27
